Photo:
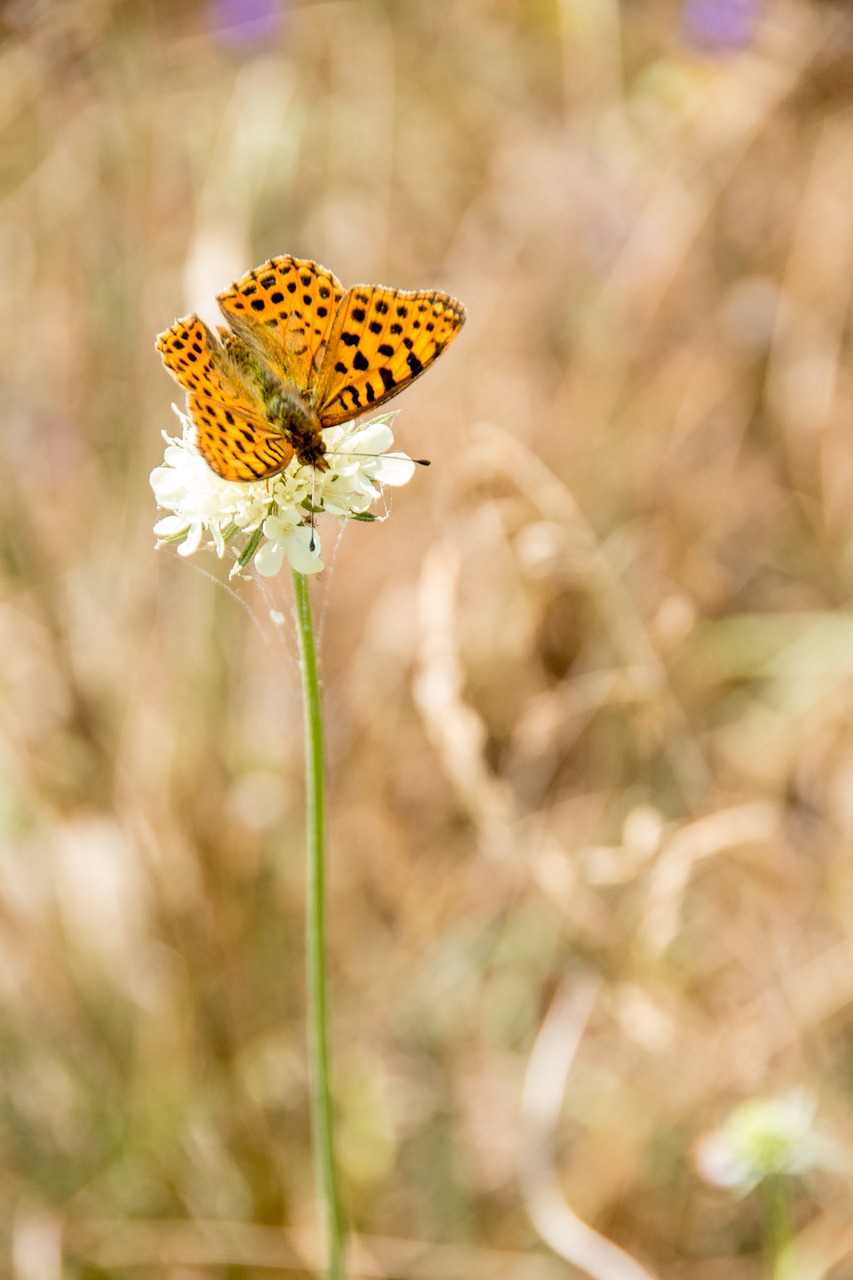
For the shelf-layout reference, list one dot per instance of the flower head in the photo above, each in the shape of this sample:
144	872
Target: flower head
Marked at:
763	1138
722	24
270	520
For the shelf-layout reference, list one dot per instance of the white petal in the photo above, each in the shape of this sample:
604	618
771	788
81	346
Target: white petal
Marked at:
169	526
374	438
169	486
717	1163
185	421
268	558
275	528
342	508
175	455
395	470
299	552
193	539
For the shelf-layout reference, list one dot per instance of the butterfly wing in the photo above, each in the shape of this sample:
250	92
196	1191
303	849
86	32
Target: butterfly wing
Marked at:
284	311
231	432
381	340
235	443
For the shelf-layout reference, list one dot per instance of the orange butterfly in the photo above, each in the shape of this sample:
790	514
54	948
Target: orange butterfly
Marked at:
299	355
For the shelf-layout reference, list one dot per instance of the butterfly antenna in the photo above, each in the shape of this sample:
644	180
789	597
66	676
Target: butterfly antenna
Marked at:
313	542
402	457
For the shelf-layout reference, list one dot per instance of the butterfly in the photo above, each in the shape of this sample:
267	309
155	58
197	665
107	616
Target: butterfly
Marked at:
299	354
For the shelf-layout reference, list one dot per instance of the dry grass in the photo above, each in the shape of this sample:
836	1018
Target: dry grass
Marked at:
589	692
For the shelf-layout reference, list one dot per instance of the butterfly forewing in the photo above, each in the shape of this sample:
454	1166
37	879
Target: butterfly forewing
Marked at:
381	341
231	432
284	312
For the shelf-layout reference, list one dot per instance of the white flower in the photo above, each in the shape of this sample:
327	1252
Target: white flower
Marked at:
285	537
268	520
763	1138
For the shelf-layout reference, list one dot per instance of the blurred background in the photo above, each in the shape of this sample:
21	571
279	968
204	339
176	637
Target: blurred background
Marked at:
589	691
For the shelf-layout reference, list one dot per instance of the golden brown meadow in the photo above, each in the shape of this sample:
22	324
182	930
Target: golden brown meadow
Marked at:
588	692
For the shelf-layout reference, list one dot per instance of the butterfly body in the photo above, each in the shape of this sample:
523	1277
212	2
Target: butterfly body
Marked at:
292	415
286	409
299	355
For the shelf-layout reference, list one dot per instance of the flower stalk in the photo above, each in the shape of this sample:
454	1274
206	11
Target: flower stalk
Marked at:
322	1122
780	1232
261	526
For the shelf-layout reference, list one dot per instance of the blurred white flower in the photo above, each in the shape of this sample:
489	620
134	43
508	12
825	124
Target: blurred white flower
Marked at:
763	1138
270	520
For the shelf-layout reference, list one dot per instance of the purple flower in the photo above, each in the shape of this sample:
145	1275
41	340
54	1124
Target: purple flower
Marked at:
244	21
721	24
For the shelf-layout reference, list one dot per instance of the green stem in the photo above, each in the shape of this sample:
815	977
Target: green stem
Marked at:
780	1232
322	1124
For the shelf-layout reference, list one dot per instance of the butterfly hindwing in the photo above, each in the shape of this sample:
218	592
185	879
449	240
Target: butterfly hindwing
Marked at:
284	312
234	442
382	339
231	432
